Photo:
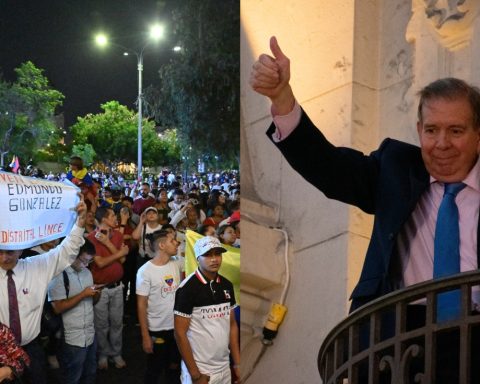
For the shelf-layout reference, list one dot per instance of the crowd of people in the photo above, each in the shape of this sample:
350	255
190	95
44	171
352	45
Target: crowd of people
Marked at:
129	262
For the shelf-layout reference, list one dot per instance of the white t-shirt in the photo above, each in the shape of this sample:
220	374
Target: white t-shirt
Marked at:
159	283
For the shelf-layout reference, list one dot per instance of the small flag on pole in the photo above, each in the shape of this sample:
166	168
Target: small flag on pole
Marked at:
15	164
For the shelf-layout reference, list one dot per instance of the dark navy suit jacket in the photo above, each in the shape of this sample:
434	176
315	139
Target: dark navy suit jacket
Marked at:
387	183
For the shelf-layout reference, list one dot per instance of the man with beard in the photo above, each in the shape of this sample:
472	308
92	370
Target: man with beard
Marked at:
144	200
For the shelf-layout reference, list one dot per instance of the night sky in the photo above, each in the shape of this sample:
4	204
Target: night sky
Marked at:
57	36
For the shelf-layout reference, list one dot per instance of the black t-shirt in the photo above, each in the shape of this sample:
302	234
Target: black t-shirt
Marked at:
208	305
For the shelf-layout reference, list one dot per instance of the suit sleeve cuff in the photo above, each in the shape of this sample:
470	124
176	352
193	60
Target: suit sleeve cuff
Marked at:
286	124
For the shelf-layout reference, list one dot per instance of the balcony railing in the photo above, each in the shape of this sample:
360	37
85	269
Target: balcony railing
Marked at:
397	340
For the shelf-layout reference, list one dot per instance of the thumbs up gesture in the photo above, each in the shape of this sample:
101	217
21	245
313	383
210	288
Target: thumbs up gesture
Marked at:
270	77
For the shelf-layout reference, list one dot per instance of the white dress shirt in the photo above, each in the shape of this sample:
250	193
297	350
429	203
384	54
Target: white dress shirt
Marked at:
31	276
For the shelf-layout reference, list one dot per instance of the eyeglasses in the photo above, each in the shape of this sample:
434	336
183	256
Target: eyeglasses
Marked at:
86	262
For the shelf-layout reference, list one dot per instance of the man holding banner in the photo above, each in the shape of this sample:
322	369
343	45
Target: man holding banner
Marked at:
34	211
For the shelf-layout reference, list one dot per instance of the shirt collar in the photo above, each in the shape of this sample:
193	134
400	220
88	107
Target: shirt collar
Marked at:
3	272
204	279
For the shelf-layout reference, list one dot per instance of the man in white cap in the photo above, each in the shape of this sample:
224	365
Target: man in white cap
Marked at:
205	325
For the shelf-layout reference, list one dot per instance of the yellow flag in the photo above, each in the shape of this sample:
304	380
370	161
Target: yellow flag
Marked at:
230	262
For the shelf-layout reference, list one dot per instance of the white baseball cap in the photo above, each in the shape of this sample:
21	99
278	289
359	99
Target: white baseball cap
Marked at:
205	244
151	209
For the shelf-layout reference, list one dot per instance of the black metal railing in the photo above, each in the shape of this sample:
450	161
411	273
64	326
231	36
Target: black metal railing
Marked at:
396	339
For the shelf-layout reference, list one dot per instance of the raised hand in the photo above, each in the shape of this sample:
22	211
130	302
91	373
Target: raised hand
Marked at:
270	77
81	210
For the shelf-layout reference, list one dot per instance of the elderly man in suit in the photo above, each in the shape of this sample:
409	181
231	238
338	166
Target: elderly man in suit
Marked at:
406	187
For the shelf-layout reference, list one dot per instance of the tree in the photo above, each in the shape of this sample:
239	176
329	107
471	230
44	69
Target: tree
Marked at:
85	152
27	109
113	137
200	86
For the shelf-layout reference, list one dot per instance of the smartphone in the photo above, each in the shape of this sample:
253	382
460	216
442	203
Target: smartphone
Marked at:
98	287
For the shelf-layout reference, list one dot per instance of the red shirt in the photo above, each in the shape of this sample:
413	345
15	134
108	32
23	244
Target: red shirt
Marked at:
140	204
113	272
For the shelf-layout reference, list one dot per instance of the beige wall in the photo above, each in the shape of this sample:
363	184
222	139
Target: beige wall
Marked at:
356	67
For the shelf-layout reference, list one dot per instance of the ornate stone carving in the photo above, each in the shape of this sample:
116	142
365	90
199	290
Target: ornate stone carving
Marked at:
444	9
449	21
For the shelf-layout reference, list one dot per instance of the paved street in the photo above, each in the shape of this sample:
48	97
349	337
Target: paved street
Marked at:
132	353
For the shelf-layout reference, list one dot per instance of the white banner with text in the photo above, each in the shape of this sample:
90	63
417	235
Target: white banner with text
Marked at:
34	211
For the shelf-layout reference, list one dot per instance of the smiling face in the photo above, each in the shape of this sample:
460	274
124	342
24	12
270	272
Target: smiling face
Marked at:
448	139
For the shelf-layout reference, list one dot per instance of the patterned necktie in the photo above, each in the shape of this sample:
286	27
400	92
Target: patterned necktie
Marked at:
447	252
13	308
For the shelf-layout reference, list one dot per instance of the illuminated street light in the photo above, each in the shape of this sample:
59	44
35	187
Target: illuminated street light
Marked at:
156	33
101	40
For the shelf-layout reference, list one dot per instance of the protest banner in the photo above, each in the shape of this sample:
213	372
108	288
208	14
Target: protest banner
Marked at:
34	211
230	262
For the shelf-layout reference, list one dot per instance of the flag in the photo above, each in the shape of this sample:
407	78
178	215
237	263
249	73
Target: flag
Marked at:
230	262
15	164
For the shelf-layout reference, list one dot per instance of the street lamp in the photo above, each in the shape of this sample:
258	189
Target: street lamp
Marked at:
156	33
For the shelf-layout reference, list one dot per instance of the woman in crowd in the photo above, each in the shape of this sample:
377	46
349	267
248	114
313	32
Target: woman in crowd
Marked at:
217	216
127	226
162	206
148	224
226	234
217	198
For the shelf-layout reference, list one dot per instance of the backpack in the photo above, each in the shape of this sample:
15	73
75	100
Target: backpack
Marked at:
51	322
